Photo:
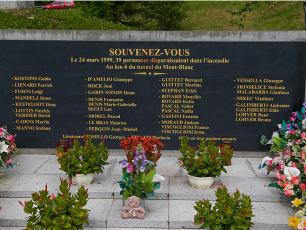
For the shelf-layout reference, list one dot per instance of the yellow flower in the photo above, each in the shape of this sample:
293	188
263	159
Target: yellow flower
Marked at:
297	202
293	222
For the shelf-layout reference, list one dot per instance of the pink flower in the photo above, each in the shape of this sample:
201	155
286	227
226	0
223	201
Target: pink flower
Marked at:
280	176
9	161
292	119
294	165
303	135
295	180
292	132
10	138
130	168
1	131
303	186
289	192
280	183
52	197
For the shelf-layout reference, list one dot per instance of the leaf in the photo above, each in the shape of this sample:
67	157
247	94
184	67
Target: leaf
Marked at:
275	185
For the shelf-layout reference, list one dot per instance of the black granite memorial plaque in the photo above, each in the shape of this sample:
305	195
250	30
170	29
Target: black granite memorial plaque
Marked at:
224	91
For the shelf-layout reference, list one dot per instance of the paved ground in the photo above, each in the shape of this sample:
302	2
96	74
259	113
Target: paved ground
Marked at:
172	209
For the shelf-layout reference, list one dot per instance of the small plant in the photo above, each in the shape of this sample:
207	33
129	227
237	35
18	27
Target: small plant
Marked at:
7	148
85	159
206	161
226	152
61	211
231	212
139	177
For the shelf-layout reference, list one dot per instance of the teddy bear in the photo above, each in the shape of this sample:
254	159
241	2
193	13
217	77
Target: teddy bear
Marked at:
132	208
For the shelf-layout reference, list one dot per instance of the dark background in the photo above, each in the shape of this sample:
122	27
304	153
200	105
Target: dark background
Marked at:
273	60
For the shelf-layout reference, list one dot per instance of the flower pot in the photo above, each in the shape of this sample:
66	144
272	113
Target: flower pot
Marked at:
200	182
83	179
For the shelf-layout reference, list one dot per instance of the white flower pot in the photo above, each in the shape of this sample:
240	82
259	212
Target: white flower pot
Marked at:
84	179
200	182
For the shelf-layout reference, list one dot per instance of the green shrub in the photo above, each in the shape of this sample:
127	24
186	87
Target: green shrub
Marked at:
203	162
144	15
61	211
231	212
83	159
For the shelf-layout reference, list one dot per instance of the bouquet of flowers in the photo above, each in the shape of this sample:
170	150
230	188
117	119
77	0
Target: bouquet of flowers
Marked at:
7	148
288	161
151	145
139	176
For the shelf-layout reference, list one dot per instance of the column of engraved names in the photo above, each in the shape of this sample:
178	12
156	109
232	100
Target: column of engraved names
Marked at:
32	105
179	100
105	102
258	97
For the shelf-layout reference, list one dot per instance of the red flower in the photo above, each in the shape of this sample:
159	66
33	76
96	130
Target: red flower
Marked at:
295	180
303	186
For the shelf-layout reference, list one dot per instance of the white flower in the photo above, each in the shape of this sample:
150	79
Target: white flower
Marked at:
158	178
275	134
264	162
4	147
279	126
290	172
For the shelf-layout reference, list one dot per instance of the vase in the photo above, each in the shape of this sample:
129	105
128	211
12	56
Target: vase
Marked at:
200	182
83	179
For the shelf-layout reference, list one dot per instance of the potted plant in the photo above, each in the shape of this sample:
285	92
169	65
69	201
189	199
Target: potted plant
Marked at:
7	148
61	211
82	161
229	212
138	182
202	164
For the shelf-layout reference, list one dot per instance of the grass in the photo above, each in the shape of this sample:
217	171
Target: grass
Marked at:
200	16
265	16
73	19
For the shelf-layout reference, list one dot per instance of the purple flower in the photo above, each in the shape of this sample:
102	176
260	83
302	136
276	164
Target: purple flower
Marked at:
124	164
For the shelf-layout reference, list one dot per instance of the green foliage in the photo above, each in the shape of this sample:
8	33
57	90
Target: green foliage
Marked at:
204	162
144	15
231	212
73	19
140	184
61	211
84	159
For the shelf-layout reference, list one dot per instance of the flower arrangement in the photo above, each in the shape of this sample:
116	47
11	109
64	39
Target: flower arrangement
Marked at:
61	211
151	145
77	158
288	161
204	161
7	148
139	176
230	211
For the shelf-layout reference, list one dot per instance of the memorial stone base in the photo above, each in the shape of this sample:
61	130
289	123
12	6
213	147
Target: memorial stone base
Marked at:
173	207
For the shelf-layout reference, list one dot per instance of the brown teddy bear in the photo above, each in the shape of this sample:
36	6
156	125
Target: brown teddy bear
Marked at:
132	209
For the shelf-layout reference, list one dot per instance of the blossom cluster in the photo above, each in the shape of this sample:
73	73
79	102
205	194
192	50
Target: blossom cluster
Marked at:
7	148
288	163
151	146
138	164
